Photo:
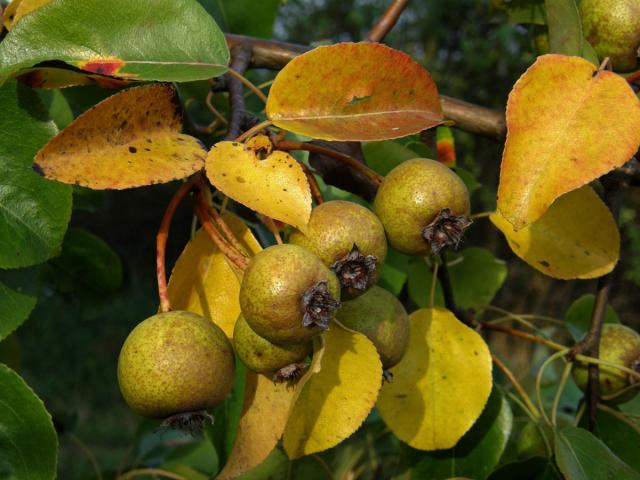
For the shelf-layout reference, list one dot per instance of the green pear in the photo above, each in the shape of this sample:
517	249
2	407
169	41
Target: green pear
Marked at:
380	316
350	240
612	27
262	356
174	363
288	295
619	345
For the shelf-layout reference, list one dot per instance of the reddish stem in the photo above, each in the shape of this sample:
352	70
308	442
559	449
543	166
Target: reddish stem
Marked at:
161	243
387	21
226	230
351	162
313	185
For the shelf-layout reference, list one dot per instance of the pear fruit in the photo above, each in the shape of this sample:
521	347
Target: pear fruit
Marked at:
423	206
262	356
612	27
380	316
350	240
619	345
288	295
175	363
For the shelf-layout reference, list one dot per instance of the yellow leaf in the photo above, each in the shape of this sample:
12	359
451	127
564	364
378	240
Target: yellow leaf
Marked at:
379	93
9	13
267	407
276	186
335	401
203	281
442	384
264	416
576	238
128	140
567	125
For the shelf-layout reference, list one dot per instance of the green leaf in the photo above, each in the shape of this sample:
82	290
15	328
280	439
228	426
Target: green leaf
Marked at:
534	468
469	179
394	271
527	12
57	106
475	274
581	456
199	455
87	199
619	436
578	316
386	155
34	212
275	466
478	452
87	262
168	40
248	17
28	442
14	309
565	27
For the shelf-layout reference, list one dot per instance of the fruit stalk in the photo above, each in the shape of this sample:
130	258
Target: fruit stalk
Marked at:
161	242
313	185
351	162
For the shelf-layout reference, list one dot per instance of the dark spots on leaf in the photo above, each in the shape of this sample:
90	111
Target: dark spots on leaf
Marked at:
180	139
240	180
401	395
475	352
103	66
357	100
147	149
149	140
38	169
544	263
444	377
133	150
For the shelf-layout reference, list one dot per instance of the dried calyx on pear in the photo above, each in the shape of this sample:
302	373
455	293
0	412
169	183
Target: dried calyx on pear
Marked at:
619	345
423	206
263	356
350	240
380	316
288	295
174	366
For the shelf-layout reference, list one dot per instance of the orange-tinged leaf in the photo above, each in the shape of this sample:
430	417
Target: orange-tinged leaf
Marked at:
335	401
575	238
354	91
567	124
128	140
9	13
276	186
267	407
441	385
204	282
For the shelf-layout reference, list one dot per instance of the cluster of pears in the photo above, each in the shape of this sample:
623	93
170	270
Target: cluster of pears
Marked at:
174	364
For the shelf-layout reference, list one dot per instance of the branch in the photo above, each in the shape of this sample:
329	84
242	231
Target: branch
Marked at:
387	21
240	58
472	118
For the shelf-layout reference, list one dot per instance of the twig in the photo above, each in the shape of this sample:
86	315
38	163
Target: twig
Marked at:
214	111
253	131
514	381
226	230
313	185
271	225
556	400
161	242
590	344
539	377
240	58
351	162
249	84
527	336
387	21
236	257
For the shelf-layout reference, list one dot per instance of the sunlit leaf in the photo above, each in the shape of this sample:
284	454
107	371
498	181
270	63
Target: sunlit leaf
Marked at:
441	385
380	93
581	456
28	442
203	282
568	124
26	7
130	139
276	186
34	212
265	413
168	40
576	238
478	451
15	308
9	13
336	400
